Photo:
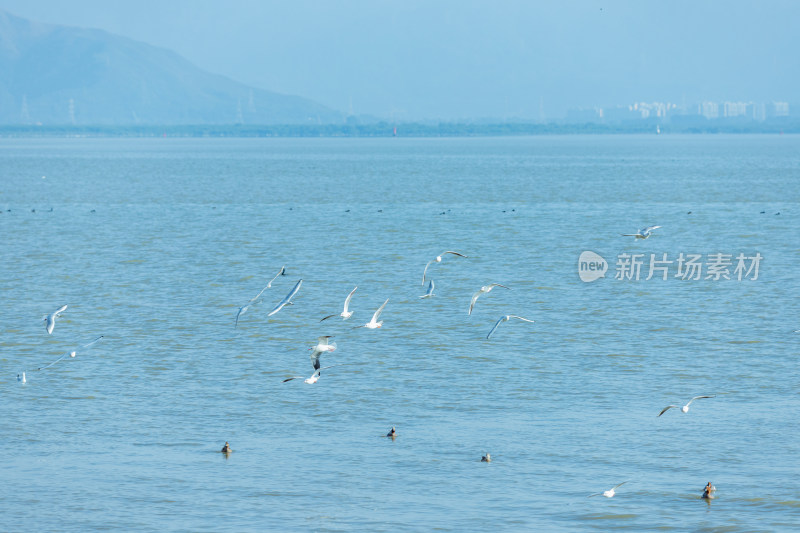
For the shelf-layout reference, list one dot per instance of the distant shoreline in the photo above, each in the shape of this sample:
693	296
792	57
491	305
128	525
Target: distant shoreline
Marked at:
384	129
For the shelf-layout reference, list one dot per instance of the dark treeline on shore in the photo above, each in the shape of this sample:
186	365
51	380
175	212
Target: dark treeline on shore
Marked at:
385	129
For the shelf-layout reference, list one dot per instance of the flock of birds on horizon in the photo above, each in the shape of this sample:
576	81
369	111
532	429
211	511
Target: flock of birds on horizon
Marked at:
325	345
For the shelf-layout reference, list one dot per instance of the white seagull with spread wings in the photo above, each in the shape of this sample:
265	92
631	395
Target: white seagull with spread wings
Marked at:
685	408
610	492
243	309
438	259
506	319
373	323
71	353
287	300
643	233
483	290
346	313
50	320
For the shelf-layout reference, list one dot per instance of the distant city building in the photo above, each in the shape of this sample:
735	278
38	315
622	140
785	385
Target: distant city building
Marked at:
779	109
662	112
709	109
734	109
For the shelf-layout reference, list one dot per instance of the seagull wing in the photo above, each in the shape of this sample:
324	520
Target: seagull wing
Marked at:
282	270
697	398
426	271
242	310
54	362
293	377
315	359
60	310
617	486
495	327
474	299
631	234
327	317
287	299
648	229
379	311
667	408
520	318
498	285
347	300
454	253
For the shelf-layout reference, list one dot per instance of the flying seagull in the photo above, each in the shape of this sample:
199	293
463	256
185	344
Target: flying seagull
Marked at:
314	377
50	320
323	345
243	309
429	292
71	353
643	233
483	290
287	300
505	319
346	313
373	323
608	493
438	260
685	408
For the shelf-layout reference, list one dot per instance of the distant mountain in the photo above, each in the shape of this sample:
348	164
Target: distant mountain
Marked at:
62	75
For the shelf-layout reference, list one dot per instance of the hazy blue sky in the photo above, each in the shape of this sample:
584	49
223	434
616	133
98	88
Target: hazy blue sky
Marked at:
468	59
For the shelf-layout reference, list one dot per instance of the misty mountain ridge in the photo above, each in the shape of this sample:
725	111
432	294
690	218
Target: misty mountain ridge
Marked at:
63	75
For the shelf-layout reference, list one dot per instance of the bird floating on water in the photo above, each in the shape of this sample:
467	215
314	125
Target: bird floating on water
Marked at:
227	448
486	458
287	300
21	378
373	323
429	292
708	491
610	492
685	408
50	320
483	290
346	313
506	319
643	233
438	259
392	433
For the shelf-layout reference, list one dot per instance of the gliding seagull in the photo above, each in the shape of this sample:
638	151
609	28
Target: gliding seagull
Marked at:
346	313
483	290
71	353
643	233
608	493
243	309
373	323
505	319
50	320
429	292
287	299
685	408
438	260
